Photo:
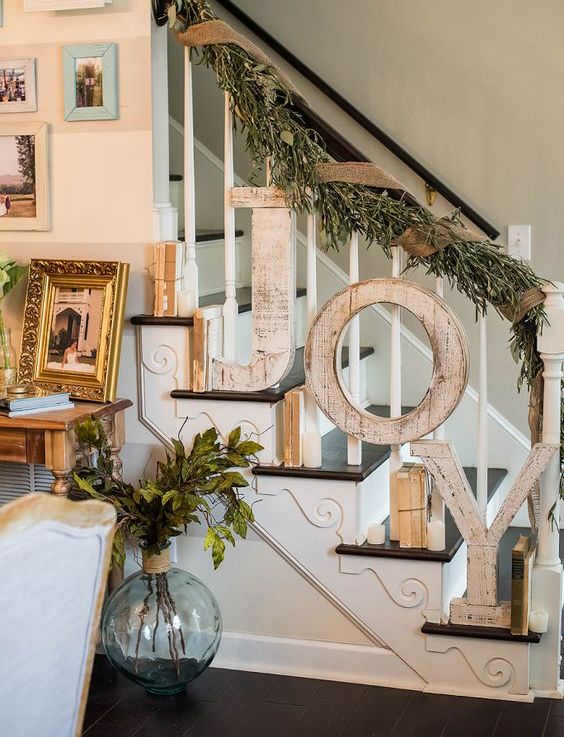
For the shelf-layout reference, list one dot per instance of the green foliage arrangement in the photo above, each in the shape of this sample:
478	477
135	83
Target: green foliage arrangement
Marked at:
262	103
201	484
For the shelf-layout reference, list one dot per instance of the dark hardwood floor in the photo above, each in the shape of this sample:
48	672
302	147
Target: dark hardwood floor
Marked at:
225	703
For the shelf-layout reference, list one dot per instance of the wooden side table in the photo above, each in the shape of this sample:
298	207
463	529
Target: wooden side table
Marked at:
48	438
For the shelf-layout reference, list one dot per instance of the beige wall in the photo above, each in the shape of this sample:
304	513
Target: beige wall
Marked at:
100	172
474	90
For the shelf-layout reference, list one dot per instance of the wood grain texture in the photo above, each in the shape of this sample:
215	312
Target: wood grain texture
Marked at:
13	445
481	603
258	197
450	361
273	298
65	419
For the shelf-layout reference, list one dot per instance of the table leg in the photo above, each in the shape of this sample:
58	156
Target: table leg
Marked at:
60	459
114	427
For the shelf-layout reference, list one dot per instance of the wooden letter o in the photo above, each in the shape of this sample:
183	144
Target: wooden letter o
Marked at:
450	361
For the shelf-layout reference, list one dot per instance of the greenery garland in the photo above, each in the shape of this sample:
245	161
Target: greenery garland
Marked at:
262	101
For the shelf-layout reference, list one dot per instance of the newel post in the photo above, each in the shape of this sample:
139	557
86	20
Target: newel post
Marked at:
547	577
165	216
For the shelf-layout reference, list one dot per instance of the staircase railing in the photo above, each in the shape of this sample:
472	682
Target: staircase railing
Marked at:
337	146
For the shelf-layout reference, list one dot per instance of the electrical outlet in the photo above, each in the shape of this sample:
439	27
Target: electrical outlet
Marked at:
519	241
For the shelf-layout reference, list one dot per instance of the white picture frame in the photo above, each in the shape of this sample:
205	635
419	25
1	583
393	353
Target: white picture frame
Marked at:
25	178
13	74
32	6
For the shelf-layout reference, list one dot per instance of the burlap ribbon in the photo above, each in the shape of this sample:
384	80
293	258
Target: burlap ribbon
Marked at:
529	299
415	243
358	172
153	564
218	32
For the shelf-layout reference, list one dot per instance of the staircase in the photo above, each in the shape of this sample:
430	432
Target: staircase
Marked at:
316	519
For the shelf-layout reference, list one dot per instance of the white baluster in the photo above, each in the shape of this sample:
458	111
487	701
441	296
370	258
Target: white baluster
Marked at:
354	445
482	453
551	347
188	296
395	396
230	308
311	441
165	216
547	574
437	503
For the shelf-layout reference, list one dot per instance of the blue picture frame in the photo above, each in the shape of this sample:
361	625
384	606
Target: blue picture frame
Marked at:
80	90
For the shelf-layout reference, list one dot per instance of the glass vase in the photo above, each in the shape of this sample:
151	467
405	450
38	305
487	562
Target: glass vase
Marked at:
161	628
8	358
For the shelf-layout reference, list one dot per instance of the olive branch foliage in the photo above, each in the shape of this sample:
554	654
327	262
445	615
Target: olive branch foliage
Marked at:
187	487
262	105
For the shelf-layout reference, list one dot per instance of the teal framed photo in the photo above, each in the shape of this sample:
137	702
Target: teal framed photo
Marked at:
90	81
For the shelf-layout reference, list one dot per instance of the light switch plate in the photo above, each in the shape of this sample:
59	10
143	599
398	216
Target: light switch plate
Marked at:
519	241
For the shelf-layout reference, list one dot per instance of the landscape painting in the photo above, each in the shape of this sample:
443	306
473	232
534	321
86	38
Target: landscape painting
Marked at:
23	176
18	193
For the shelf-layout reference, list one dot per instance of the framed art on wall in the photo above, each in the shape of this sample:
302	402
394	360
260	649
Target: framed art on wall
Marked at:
17	86
90	81
72	329
23	176
33	5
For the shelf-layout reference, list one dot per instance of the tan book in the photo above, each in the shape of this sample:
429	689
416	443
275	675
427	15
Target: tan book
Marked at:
287	430
522	557
297	423
158	279
207	345
412	494
171	274
293	426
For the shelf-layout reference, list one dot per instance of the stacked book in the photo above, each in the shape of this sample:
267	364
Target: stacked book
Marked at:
167	267
293	426
35	400
412	495
522	558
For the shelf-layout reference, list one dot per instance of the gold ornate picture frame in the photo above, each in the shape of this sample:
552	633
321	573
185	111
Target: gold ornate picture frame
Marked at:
73	323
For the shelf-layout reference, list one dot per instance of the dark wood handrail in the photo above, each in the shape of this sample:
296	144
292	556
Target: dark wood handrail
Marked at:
338	147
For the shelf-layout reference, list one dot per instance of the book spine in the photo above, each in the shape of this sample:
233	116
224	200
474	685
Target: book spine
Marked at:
158	279
518	592
288	429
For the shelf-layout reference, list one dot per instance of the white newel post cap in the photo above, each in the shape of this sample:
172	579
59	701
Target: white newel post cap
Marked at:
550	340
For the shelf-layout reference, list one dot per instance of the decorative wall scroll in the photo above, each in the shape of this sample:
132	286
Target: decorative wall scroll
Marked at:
273	298
481	606
450	361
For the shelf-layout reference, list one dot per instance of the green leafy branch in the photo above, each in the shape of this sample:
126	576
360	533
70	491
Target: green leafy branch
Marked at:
188	486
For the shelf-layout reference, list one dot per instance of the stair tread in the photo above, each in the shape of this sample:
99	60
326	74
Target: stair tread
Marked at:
485	633
454	539
335	466
296	377
244	301
205	236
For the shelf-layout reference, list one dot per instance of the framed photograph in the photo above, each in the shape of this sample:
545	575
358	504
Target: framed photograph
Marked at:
33	5
23	176
90	74
17	86
72	329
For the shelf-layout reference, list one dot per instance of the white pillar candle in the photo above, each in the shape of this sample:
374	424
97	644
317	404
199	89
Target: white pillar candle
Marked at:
538	622
311	449
436	535
187	301
376	534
